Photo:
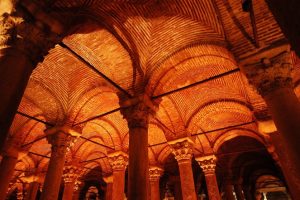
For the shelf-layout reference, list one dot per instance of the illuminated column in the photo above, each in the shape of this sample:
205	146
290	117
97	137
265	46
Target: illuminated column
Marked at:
11	154
182	149
33	182
282	155
20	52
76	190
208	165
60	139
271	76
154	176
118	161
109	187
136	112
71	173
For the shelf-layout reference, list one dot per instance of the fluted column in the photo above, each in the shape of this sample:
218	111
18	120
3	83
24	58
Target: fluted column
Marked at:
22	45
109	187
11	153
154	176
271	76
118	161
183	152
208	165
137	111
60	139
70	175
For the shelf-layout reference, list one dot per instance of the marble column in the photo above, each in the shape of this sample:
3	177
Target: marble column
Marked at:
71	173
137	111
270	74
109	187
208	165
154	176
20	52
118	161
60	139
10	155
183	152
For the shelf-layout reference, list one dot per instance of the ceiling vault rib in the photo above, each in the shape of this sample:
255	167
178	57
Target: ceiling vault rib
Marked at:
197	83
94	69
39	154
211	131
97	143
84	161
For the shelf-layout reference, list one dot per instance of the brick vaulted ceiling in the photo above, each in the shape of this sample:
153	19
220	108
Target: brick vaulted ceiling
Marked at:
154	46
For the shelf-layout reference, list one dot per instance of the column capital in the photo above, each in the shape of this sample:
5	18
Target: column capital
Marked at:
207	164
61	138
108	179
270	73
155	173
182	149
71	173
137	110
118	160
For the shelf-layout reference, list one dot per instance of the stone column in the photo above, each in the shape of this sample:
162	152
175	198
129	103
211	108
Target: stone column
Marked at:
76	190
182	149
118	161
10	155
136	112
71	173
60	138
22	46
109	187
154	176
271	76
282	155
208	165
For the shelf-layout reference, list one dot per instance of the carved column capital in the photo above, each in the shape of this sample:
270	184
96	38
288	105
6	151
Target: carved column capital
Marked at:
118	160
61	138
155	173
71	173
270	73
137	110
182	149
207	164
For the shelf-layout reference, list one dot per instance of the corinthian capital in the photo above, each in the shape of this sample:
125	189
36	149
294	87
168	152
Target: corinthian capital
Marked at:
270	73
207	164
118	160
155	173
137	110
182	149
71	173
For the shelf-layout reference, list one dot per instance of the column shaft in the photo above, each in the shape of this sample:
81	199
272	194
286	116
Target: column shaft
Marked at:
109	191
287	159
60	142
68	190
212	187
138	164
7	167
229	192
118	185
154	190
187	180
32	192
